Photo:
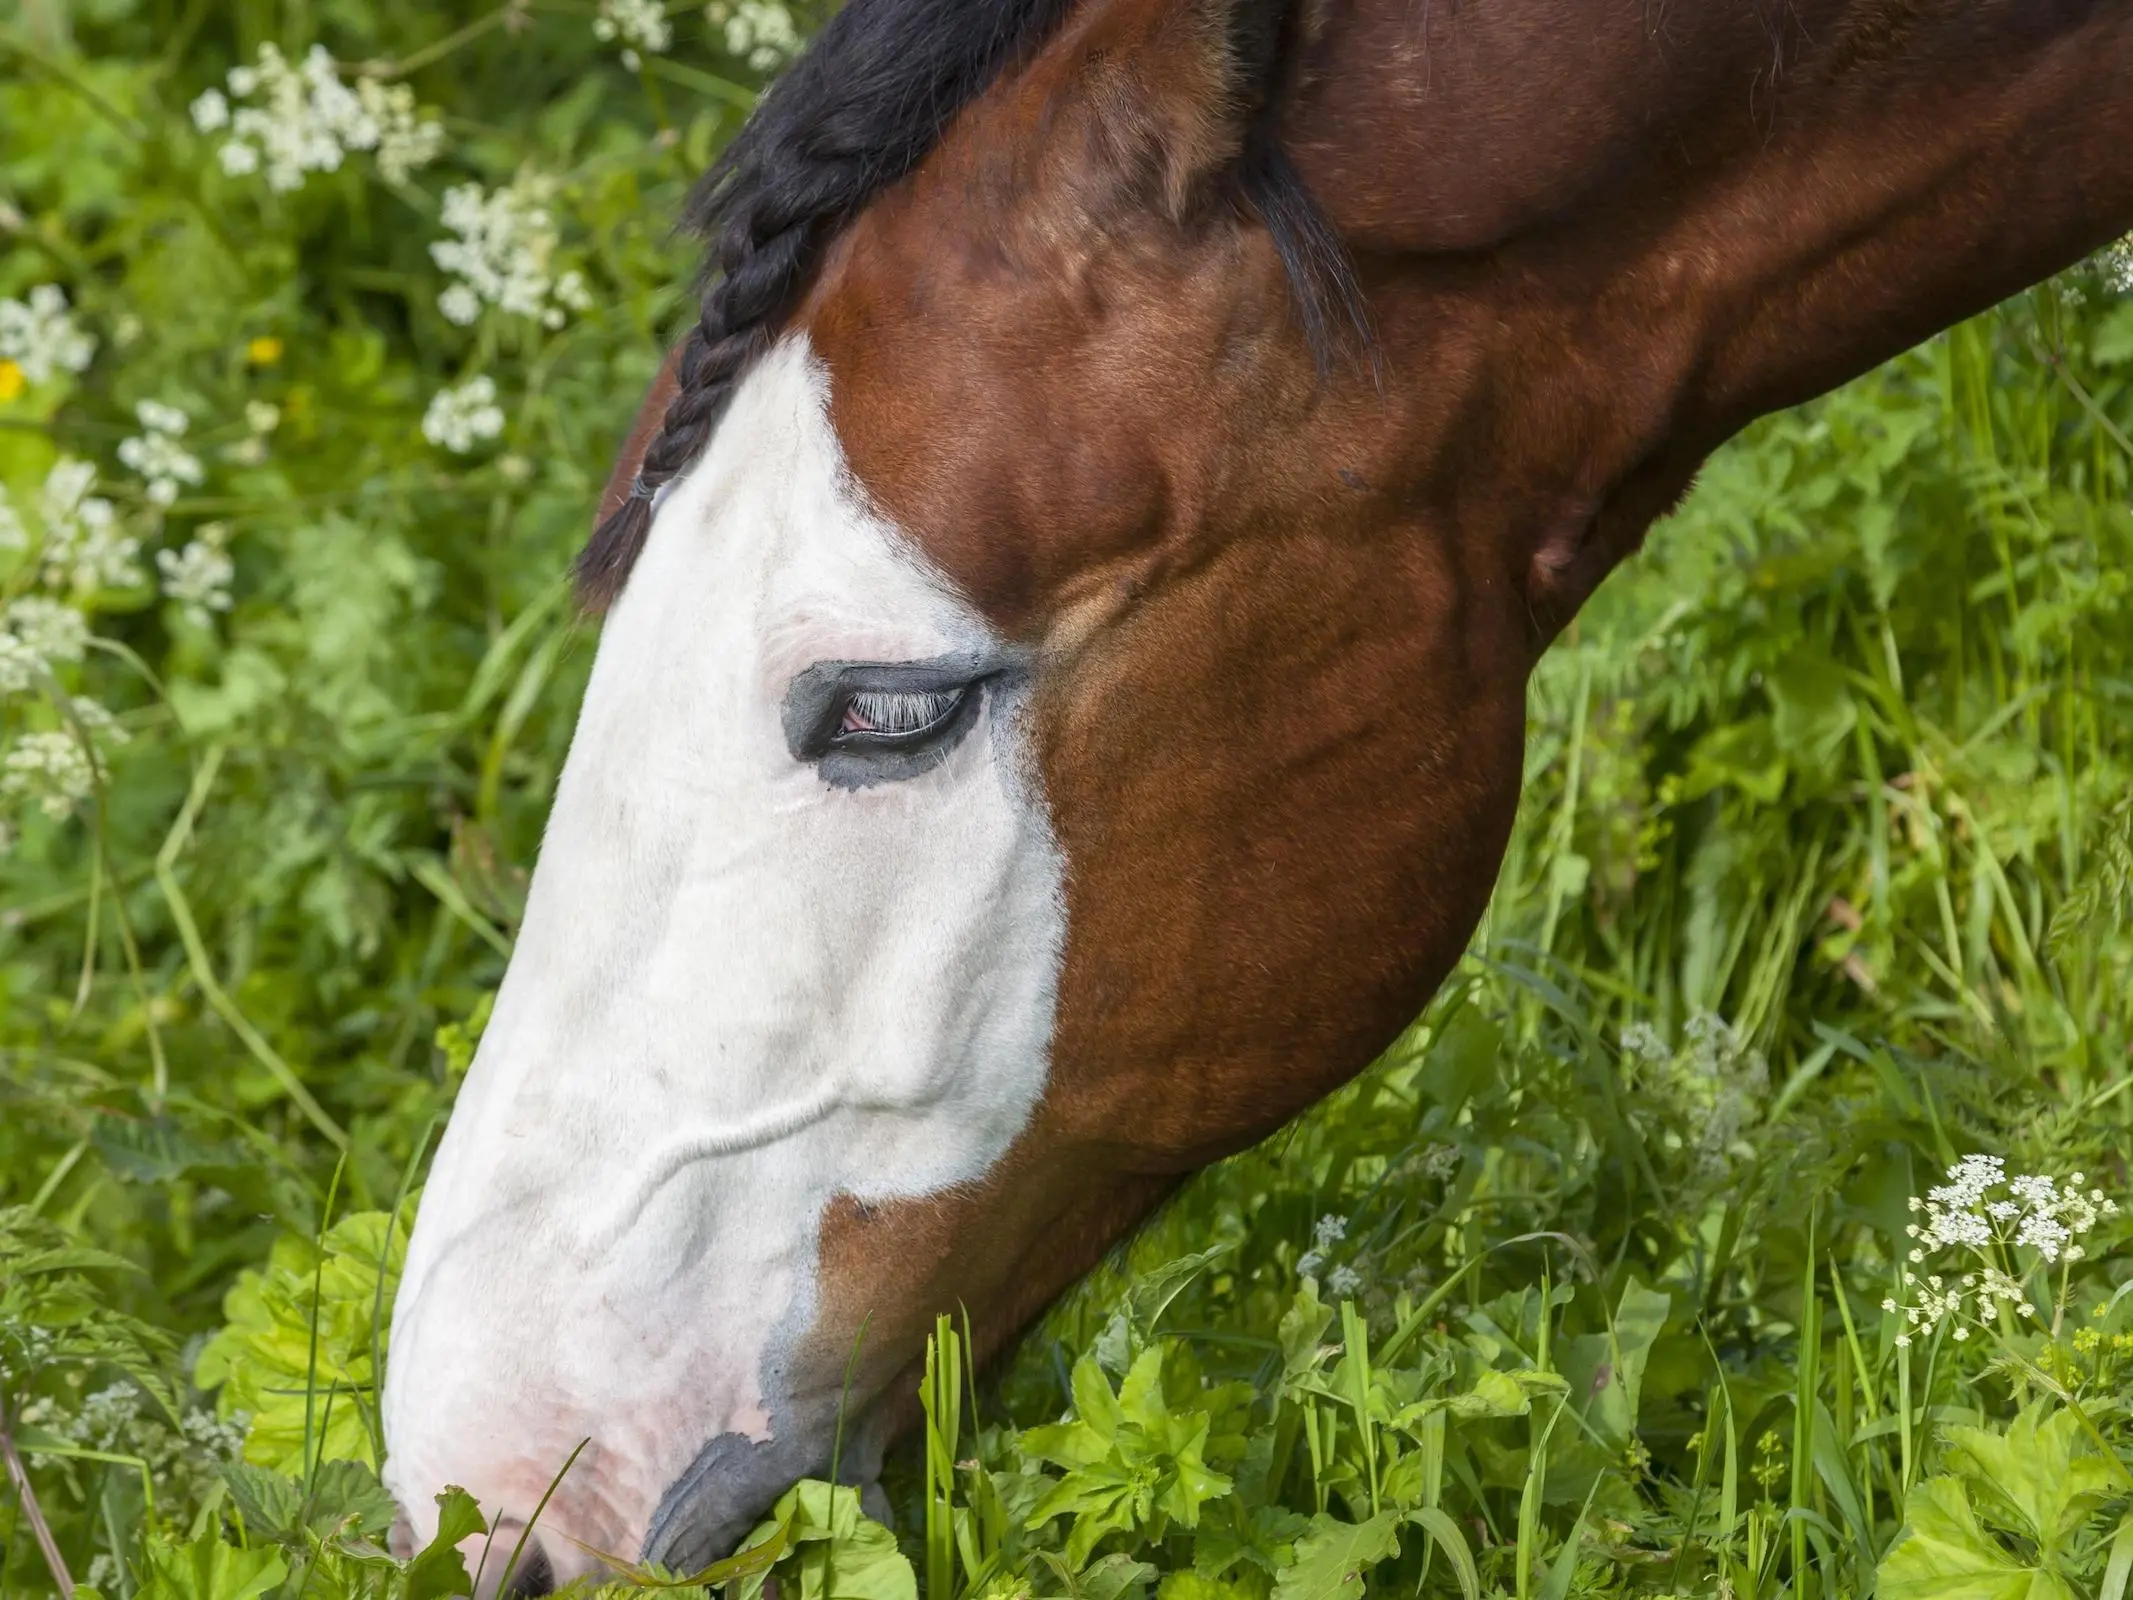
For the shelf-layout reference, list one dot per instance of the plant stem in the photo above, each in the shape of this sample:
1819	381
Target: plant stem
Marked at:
19	1476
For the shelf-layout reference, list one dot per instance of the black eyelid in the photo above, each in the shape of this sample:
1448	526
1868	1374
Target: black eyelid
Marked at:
814	711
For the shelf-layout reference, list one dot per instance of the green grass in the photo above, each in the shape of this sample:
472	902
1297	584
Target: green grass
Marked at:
1823	882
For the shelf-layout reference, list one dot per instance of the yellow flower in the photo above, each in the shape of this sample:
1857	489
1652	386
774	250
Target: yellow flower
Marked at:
263	351
12	381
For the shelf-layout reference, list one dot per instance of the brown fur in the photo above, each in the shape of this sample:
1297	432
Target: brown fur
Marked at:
1286	623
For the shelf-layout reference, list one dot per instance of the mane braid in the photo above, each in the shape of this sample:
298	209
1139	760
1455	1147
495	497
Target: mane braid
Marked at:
860	108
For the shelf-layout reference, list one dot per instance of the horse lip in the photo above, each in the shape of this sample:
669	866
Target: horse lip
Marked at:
718	1497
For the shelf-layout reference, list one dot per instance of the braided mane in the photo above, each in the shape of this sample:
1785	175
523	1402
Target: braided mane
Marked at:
861	107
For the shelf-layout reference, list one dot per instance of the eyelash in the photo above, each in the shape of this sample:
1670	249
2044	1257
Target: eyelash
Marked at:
897	713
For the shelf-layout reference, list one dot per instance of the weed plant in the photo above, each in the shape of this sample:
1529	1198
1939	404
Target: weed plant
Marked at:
1740	1221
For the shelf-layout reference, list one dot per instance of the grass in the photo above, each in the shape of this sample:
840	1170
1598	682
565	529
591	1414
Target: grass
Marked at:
1594	1285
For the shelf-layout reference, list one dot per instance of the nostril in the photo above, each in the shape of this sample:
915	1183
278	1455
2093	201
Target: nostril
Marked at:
532	1577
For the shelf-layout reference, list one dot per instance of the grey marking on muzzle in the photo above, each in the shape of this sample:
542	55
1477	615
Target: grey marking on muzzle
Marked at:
719	1497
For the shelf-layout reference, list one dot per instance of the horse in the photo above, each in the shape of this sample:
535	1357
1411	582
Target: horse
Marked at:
1067	610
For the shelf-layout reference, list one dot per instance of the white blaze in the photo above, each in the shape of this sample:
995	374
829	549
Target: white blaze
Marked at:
738	992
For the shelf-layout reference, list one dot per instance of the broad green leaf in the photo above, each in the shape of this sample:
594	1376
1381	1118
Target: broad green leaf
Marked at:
1945	1553
2041	1473
1332	1558
438	1567
208	1569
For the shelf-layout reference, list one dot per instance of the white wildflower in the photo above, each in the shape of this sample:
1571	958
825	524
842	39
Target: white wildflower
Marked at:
1330	1230
459	419
198	577
1344	1280
292	121
49	769
460	305
1982	1212
1309	1264
38	333
211	111
636	25
2117	262
155	453
85	546
1642	1040
504	254
759	32
261	419
36	634
406	140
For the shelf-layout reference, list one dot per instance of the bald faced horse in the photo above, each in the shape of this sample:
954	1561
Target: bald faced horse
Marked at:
1069	604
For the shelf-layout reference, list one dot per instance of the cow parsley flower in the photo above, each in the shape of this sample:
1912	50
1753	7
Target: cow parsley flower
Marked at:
155	453
503	254
759	32
198	577
49	770
638	24
2117	260
1344	1281
1330	1230
36	634
38	333
291	121
85	546
1985	1215
406	139
459	419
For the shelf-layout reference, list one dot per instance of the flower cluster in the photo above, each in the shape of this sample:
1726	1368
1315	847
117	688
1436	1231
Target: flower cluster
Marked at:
1713	1083
156	454
303	119
115	1419
2118	264
37	634
261	418
638	24
459	419
38	333
1982	1213
198	577
759	32
1327	1232
504	254
85	547
49	769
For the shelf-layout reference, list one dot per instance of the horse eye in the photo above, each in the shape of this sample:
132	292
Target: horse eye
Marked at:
897	713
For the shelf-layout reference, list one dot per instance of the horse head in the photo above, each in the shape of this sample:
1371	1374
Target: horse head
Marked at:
1069	604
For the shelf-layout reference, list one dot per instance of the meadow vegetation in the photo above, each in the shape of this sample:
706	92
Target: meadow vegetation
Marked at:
1742	1219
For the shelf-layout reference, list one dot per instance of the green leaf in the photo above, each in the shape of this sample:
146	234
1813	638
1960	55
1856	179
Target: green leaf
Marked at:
839	1552
1333	1556
1446	1535
269	1502
1944	1553
438	1567
207	1569
2040	1474
2112	342
1302	1333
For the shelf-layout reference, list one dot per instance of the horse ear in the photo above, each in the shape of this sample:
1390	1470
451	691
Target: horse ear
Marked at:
1172	88
651	416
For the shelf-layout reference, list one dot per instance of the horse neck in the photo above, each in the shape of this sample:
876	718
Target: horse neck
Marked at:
1613	243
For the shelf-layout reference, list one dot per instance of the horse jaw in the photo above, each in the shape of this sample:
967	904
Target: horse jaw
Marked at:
740	992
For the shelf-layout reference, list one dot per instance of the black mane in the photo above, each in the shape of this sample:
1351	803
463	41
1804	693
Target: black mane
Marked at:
862	106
